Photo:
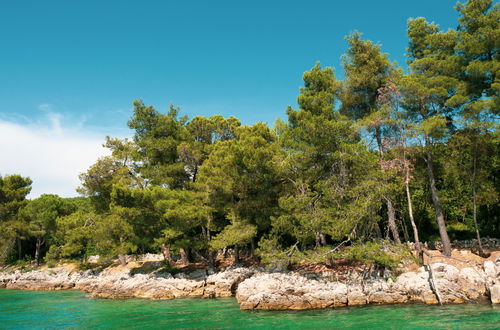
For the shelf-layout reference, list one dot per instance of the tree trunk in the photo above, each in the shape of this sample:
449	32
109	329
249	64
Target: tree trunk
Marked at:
433	279
184	256
211	258
391	214
437	203
474	201
322	239
412	219
390	208
410	210
376	231
167	255
123	259
37	251
252	248
19	249
195	173
405	229
236	254
209	237
224	252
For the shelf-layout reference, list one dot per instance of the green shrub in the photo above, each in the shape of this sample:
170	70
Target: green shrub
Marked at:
100	265
51	263
383	253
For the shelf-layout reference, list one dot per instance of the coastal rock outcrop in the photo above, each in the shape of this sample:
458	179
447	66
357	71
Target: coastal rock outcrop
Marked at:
60	279
120	282
289	291
293	291
455	281
297	292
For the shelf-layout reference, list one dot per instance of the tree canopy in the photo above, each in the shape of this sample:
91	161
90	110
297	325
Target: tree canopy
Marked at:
380	153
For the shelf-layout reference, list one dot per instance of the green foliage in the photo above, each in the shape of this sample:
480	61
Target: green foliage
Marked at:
327	168
367	71
40	214
338	168
381	253
478	35
271	252
184	216
100	265
157	137
13	191
384	254
240	178
114	236
238	233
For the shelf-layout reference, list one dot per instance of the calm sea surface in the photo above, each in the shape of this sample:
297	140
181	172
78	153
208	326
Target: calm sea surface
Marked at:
69	309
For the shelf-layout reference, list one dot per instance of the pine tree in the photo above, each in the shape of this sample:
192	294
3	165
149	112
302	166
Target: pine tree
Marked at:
368	71
433	96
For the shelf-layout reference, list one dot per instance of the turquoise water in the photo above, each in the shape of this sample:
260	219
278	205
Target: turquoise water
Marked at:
70	309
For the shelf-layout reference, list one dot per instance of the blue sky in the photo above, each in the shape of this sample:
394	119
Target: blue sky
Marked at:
69	70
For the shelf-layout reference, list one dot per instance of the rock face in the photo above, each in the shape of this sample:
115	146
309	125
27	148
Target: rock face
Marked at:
495	294
256	289
292	291
121	283
289	291
39	280
224	284
492	270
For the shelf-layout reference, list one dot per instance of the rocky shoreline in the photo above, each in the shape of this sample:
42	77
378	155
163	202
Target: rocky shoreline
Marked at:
256	288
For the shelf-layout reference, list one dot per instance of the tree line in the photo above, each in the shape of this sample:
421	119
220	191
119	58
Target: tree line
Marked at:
381	154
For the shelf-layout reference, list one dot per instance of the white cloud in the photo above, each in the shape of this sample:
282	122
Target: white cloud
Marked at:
51	154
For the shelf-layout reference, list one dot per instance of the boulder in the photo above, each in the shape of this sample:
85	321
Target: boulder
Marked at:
225	283
495	294
290	291
490	269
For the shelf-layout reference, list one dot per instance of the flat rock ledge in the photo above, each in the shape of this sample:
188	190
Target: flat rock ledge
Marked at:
120	283
295	292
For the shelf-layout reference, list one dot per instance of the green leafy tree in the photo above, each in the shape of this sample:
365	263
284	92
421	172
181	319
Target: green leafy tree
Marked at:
321	162
240	178
238	234
74	233
118	168
40	214
368	71
157	137
13	191
203	134
114	236
98	181
432	95
470	175
479	48
186	222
